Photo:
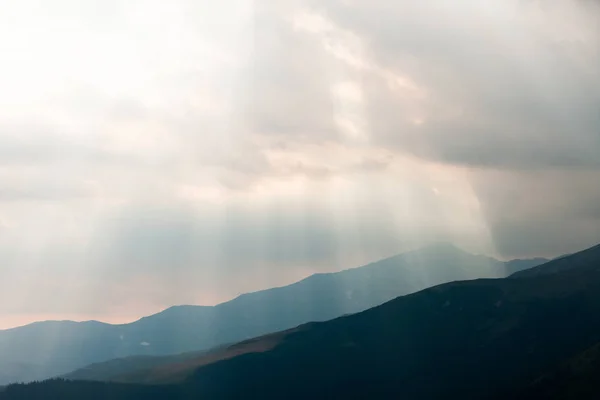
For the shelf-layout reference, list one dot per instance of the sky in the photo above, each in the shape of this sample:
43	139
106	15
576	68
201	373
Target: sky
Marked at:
155	153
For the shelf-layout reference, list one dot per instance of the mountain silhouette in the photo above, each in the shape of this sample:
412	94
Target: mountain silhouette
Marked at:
583	259
46	349
478	339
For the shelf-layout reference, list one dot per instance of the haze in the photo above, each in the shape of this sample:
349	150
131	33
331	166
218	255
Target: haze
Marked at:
155	153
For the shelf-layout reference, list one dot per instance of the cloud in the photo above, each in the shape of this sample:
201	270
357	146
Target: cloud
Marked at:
157	153
152	254
497	85
288	91
545	212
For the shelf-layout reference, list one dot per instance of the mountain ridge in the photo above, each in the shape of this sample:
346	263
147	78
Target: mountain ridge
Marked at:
475	339
566	262
528	261
56	349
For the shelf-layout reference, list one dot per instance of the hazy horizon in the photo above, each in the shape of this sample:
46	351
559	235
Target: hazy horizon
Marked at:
19	321
158	153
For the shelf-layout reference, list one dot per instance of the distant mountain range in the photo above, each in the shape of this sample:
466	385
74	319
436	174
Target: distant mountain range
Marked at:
531	336
46	349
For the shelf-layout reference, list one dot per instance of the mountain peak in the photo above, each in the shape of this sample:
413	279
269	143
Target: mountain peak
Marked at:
185	328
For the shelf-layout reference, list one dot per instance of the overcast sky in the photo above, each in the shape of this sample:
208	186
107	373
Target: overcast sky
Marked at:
159	152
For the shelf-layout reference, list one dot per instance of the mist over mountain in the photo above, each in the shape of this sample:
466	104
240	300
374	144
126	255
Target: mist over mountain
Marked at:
169	167
478	339
46	349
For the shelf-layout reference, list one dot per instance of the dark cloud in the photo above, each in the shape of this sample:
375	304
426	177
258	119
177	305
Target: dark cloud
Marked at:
510	87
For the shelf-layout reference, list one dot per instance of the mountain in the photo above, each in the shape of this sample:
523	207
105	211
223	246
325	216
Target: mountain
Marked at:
514	266
47	349
576	379
583	259
478	339
171	369
133	368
